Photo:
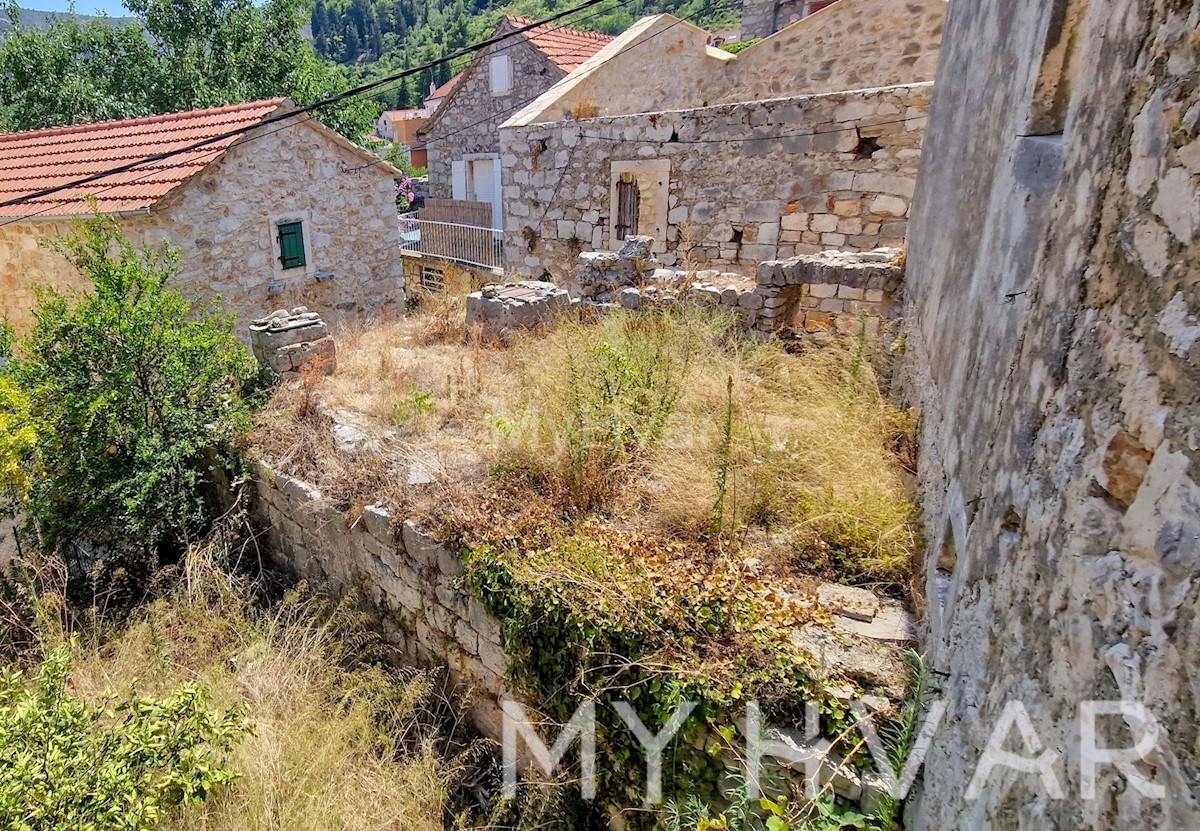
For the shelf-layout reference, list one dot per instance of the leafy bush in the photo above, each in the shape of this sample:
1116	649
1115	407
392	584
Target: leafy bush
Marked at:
69	765
18	440
132	394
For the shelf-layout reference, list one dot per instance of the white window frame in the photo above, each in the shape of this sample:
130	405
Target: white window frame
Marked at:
306	231
503	59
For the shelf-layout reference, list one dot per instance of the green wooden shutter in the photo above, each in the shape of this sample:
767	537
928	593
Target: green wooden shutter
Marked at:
291	244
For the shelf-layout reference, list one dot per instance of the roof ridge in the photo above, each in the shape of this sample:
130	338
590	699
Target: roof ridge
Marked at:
521	22
160	118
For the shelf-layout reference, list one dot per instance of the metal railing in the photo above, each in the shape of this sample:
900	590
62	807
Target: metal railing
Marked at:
470	244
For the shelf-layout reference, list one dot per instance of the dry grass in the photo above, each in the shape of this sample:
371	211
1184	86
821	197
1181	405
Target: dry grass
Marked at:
673	423
333	749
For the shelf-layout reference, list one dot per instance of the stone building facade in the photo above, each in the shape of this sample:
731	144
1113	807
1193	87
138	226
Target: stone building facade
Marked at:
461	138
225	217
857	44
1055	355
808	140
709	181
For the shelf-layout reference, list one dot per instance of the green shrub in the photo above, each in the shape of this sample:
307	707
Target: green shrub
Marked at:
69	766
18	441
133	393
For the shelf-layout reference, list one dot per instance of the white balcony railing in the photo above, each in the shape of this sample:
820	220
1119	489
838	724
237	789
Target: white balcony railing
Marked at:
470	244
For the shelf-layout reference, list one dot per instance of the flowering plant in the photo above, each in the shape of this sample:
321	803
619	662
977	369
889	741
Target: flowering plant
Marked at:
405	195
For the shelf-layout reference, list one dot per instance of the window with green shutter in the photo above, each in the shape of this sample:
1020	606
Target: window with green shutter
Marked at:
291	244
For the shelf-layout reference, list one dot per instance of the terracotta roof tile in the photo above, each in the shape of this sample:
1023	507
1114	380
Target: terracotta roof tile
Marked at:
444	89
566	47
39	159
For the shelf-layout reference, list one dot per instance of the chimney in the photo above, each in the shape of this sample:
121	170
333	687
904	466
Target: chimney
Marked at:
432	87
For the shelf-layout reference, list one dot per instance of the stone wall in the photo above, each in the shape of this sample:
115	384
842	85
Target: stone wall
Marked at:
468	122
855	44
814	294
406	574
746	183
26	262
1055	340
222	221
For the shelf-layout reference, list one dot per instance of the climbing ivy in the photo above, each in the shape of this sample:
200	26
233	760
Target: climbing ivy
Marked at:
593	613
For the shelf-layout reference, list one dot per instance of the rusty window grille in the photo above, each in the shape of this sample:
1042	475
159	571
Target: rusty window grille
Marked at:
628	196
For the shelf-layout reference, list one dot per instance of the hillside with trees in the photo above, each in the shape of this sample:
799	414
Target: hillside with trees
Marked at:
380	37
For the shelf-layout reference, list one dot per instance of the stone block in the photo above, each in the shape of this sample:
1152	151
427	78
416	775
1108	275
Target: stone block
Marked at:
421	548
886	205
499	309
750	300
823	290
629	298
850	293
823	223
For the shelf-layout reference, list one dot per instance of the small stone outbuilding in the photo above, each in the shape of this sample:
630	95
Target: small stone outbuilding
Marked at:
283	214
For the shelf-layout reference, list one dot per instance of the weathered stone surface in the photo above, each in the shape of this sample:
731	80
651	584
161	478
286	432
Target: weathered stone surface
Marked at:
513	306
1044	379
740	200
858	604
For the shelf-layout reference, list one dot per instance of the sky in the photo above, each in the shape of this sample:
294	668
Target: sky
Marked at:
112	7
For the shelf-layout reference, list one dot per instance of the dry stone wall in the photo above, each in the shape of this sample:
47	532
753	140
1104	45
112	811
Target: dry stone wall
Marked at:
833	291
405	572
747	183
1056	344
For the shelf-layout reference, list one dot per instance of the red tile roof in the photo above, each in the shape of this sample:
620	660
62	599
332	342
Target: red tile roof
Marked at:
39	159
444	89
566	47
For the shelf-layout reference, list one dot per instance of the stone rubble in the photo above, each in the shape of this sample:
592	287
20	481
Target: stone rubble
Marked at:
500	309
286	341
830	291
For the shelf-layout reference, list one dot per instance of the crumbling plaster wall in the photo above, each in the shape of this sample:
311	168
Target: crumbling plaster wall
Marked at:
222	222
766	180
855	44
1053	350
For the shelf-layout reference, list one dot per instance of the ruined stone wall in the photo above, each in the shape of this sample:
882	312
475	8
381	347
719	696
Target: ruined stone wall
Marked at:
223	224
856	44
1054	354
406	573
468	122
746	183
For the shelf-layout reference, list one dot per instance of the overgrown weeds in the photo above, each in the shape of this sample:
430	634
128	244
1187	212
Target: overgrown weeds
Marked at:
341	739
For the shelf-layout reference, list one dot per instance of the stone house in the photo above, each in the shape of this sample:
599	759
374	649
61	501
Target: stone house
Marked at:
806	141
1054	349
462	136
279	215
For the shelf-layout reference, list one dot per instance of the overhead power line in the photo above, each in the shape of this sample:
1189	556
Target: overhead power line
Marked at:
304	110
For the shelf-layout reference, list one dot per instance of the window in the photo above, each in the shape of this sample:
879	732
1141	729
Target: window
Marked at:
628	197
501	66
291	244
